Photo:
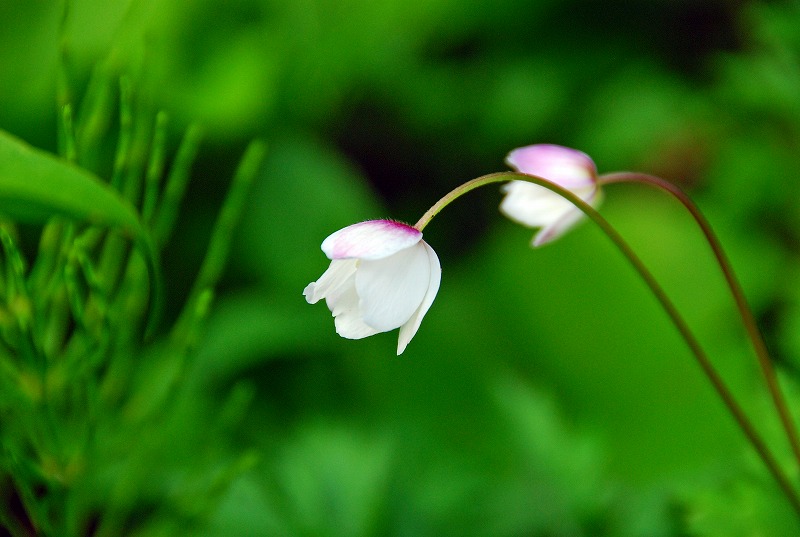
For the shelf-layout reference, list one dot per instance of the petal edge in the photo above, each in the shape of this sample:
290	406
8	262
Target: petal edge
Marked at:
373	239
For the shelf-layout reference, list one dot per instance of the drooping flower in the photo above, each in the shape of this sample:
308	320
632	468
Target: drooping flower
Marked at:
537	207
382	276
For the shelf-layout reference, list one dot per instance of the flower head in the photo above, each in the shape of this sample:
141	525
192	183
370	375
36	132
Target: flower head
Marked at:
382	276
535	206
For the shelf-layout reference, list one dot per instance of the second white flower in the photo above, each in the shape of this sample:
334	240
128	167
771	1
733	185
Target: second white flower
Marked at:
537	207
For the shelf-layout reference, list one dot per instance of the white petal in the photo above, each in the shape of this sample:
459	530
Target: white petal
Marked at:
374	239
352	327
567	221
411	326
345	308
391	289
337	286
338	272
536	206
555	230
532	205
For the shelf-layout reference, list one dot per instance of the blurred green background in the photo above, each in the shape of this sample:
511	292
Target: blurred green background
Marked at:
545	394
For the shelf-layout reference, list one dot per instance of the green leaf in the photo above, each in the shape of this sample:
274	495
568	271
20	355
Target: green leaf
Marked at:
36	185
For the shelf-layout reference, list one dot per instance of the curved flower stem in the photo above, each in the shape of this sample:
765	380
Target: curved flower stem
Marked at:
478	182
703	361
756	338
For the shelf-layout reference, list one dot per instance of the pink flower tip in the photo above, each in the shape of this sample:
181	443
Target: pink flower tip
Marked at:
373	239
566	167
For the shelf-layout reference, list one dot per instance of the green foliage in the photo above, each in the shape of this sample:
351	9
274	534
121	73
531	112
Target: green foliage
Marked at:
545	393
90	398
62	190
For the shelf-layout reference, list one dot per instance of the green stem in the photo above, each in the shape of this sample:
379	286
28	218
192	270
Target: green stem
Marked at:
478	182
748	320
155	167
167	211
703	361
123	153
67	135
221	238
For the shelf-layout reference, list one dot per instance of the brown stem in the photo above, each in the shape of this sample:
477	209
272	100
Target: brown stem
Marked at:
756	338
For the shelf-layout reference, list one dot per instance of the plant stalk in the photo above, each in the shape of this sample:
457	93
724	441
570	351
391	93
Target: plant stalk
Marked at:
746	314
680	324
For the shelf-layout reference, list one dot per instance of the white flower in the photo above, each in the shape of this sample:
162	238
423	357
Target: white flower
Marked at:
535	206
382	276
